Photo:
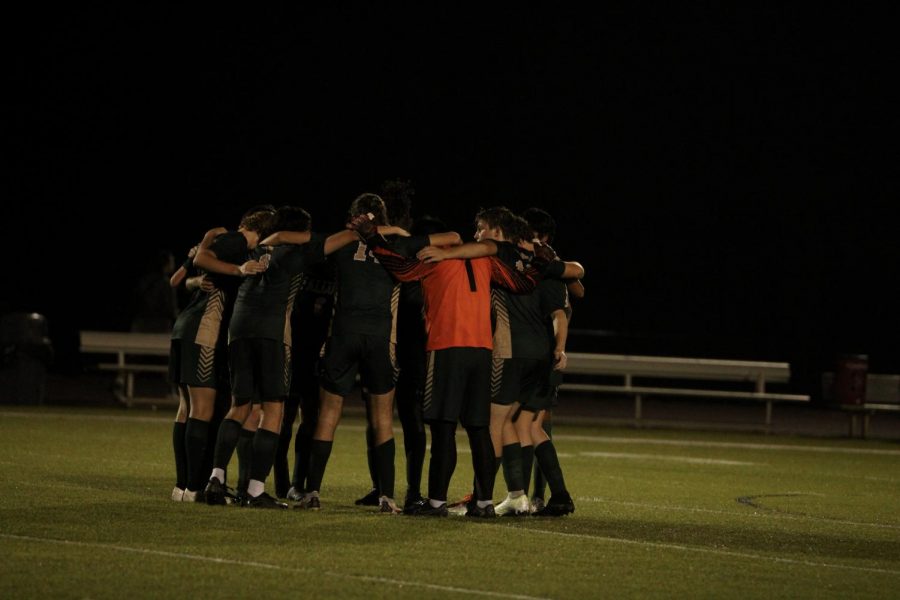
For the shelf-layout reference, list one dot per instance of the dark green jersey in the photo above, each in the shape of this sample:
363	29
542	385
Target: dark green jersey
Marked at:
520	329
554	296
366	295
205	319
265	301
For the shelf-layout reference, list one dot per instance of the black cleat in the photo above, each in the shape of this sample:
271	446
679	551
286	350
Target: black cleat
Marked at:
309	501
412	499
217	494
370	499
264	500
557	506
476	512
425	509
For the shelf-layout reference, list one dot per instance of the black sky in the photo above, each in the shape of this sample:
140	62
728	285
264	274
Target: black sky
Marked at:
726	175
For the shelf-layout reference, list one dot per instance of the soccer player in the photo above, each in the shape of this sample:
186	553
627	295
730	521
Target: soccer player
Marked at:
362	340
198	357
457	302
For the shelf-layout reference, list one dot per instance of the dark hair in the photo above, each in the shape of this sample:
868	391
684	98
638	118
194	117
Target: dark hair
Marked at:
291	218
258	208
370	203
260	221
541	222
398	195
428	225
502	218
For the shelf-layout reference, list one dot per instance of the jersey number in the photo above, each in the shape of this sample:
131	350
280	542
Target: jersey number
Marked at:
363	252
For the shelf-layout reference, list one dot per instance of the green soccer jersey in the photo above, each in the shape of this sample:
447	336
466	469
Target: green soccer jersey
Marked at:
265	301
205	319
367	294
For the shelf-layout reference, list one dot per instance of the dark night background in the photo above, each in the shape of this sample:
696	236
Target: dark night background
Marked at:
724	174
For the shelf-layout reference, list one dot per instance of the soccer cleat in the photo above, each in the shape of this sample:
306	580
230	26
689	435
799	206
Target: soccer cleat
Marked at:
388	506
558	506
460	506
177	494
412	499
217	494
476	512
294	494
537	503
309	501
373	498
264	500
514	507
425	509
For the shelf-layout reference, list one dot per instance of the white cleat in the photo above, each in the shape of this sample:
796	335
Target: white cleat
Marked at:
388	506
514	507
294	495
177	494
189	496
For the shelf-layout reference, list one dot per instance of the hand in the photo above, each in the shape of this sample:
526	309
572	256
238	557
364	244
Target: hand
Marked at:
364	225
251	267
207	285
431	254
560	360
393	230
543	254
193	251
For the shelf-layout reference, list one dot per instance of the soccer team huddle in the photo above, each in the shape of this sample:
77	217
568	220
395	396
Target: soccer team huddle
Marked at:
285	321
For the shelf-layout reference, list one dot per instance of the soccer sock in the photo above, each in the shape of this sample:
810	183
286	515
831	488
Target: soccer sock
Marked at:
301	457
527	462
539	480
443	461
384	462
178	445
280	466
414	444
226	441
196	433
371	459
265	443
545	454
245	458
512	467
484	463
319	453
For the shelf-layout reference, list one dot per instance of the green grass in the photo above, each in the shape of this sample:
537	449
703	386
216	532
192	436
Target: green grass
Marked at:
85	513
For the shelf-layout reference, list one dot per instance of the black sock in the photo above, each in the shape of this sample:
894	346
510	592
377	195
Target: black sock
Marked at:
512	467
319	452
301	457
245	458
178	445
371	460
196	434
384	462
443	460
264	445
414	443
280	466
226	441
540	481
545	454
484	463
527	462
214	424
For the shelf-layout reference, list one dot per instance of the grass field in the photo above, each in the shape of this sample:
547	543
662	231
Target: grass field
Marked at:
86	513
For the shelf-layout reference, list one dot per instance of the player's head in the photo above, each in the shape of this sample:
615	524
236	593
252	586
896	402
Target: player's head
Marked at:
543	226
398	196
259	219
428	225
292	218
370	203
495	223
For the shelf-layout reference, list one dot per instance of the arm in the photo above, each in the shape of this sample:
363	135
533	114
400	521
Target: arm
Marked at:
210	236
470	250
576	288
338	240
401	267
287	237
447	238
393	230
206	259
517	282
179	275
561	334
573	270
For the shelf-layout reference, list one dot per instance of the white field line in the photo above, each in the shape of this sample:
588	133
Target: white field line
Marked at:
666	457
270	566
681	548
744	445
738	513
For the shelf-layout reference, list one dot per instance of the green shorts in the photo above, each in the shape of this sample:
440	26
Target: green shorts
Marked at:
198	366
517	379
260	370
372	356
547	396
